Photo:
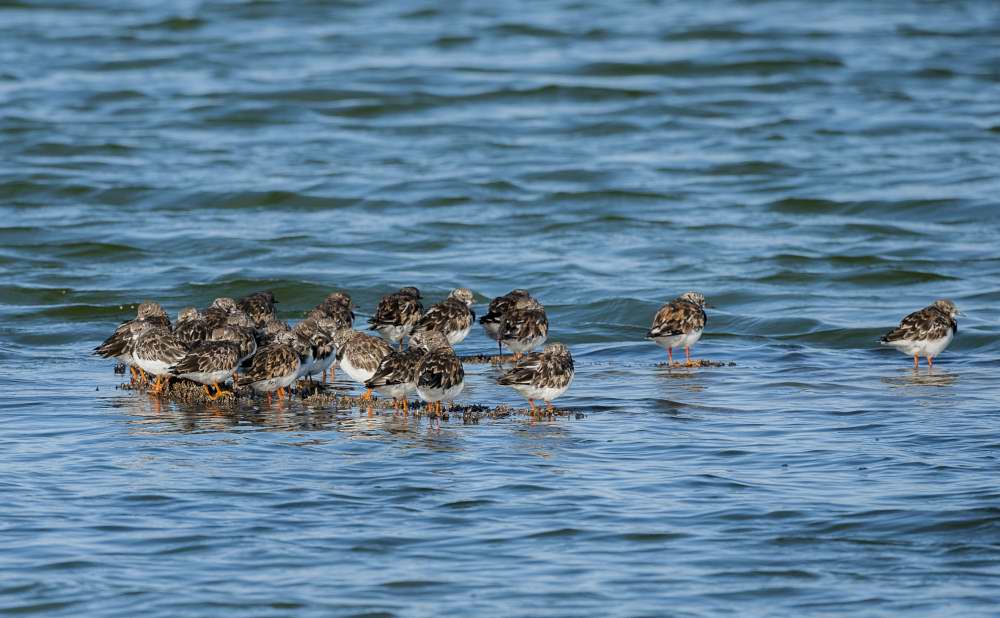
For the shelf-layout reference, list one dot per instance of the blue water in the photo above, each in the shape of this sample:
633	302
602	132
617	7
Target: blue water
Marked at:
817	171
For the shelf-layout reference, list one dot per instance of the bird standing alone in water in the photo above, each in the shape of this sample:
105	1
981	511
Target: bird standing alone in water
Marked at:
679	324
926	332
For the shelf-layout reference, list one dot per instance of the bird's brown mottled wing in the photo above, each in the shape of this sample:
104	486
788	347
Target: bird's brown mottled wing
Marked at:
450	315
522	324
397	310
271	362
556	371
396	368
524	371
440	369
498	307
209	356
677	318
366	352
118	343
928	323
160	344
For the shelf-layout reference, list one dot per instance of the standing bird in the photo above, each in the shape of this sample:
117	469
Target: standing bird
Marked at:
360	355
397	314
190	327
440	374
523	327
119	345
396	376
679	324
499	306
155	351
452	317
209	363
926	332
259	306
273	368
541	375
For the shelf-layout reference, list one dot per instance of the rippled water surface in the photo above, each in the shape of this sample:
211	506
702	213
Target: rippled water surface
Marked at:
817	170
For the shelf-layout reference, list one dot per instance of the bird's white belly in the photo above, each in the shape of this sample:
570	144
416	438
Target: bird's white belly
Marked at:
208	377
440	394
492	330
684	340
396	391
545	394
458	336
524	346
322	364
155	367
923	347
357	374
394	333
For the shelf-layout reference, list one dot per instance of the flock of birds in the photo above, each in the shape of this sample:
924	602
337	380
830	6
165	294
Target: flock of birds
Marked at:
244	341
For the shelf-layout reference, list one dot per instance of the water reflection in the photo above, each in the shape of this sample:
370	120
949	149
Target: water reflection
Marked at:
922	377
150	416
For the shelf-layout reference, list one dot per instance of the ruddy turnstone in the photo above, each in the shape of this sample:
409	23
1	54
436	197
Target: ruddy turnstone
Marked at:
397	314
209	363
523	327
926	332
273	368
542	375
119	345
498	307
453	317
440	375
338	305
679	324
360	355
190	327
259	306
396	375
219	311
155	351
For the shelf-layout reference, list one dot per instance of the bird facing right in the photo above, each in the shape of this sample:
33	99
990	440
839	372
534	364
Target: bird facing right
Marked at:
679	324
926	332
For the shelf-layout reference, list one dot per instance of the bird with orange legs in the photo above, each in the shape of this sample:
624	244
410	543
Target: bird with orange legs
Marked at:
541	375
273	368
926	332
679	324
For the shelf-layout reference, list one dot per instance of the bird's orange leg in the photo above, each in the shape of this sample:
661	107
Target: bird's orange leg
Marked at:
406	407
687	356
208	393
219	392
533	409
916	361
930	361
367	396
135	374
670	356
